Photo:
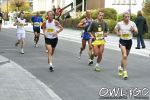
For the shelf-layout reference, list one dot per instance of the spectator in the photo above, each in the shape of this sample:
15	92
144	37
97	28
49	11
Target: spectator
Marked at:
142	28
58	13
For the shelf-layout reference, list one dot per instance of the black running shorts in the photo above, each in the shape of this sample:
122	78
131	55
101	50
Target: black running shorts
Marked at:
52	42
36	29
126	43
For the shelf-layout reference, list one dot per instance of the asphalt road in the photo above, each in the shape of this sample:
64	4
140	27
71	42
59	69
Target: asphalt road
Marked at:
73	79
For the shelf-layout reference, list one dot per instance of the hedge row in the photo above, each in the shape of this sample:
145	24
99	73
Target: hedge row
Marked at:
110	17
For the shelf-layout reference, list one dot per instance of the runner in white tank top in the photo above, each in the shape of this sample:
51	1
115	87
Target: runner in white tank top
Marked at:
51	28
20	22
125	29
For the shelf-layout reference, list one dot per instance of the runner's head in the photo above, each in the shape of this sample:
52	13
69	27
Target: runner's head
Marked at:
50	15
100	15
21	15
126	16
88	13
37	13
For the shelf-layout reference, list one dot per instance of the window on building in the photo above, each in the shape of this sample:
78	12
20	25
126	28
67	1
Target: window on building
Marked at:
134	2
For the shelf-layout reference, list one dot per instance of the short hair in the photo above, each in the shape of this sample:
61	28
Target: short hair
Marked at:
101	10
50	12
20	13
125	13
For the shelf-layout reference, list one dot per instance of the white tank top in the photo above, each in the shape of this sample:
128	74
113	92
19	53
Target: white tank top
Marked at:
50	29
20	26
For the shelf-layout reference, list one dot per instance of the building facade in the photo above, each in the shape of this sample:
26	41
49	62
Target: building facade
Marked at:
125	5
119	5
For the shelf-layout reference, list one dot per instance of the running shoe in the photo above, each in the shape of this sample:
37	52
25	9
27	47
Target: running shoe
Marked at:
97	69
22	52
125	75
36	45
51	68
90	62
79	56
120	71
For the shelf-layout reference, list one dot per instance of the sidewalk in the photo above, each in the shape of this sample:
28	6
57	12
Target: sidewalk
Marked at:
112	40
18	84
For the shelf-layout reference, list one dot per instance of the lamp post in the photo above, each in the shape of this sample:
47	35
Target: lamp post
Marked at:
7	9
130	7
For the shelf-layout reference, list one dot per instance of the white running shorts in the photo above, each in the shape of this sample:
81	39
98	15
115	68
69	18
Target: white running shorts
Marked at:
21	36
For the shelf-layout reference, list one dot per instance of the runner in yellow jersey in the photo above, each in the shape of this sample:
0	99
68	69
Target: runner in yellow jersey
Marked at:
98	31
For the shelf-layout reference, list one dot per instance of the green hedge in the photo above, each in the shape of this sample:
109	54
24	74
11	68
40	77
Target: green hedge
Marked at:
28	16
110	13
70	23
111	24
120	17
147	35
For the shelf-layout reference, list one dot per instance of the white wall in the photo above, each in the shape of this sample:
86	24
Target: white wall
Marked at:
42	5
137	5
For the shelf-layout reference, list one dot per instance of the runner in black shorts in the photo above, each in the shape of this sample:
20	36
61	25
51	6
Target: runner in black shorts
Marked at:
51	28
125	30
52	42
36	20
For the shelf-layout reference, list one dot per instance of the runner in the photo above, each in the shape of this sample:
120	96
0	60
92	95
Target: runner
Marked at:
51	29
85	36
36	20
98	30
125	30
1	17
20	22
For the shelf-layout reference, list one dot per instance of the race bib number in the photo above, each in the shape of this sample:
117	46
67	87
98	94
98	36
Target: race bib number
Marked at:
99	35
37	24
21	25
125	35
50	30
99	29
0	18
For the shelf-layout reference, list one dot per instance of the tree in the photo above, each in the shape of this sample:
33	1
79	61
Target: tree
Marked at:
19	4
146	10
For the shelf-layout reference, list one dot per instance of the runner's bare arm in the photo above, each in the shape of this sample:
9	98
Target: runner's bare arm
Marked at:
44	28
90	33
117	30
16	22
81	24
59	26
